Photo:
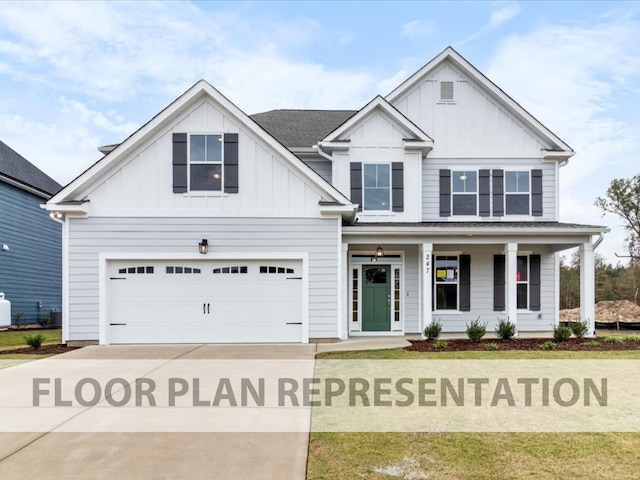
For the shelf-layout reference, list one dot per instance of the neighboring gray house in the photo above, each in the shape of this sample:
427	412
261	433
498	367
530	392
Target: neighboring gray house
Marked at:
30	243
438	201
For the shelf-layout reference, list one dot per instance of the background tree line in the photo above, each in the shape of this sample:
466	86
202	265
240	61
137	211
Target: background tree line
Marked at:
619	282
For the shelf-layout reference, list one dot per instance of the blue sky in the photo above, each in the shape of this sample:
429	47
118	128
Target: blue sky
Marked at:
78	75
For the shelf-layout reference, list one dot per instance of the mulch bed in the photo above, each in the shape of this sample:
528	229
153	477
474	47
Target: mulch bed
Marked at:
573	344
53	349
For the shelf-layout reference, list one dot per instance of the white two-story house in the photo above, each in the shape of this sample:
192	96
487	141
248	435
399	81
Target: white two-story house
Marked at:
438	201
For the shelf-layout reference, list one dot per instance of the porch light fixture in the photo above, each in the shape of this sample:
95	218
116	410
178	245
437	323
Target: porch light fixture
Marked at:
379	252
204	246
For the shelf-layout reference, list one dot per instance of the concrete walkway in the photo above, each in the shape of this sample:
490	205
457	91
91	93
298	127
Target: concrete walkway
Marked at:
60	455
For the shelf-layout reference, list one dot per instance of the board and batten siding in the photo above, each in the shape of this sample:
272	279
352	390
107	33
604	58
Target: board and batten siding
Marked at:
475	124
482	291
31	270
91	236
379	139
142	185
431	184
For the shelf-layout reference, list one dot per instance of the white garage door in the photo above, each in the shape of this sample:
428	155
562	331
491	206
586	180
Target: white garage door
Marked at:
204	302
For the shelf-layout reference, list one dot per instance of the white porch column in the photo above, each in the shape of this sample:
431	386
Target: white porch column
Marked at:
587	287
427	285
510	292
344	293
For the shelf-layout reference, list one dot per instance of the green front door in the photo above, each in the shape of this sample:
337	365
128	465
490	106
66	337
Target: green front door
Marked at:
376	298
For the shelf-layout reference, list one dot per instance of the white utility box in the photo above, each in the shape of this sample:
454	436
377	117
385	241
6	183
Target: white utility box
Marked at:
5	312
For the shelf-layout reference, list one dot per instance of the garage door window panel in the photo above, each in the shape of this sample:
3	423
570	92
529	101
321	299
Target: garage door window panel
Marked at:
136	270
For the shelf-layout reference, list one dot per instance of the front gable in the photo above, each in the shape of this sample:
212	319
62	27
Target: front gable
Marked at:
469	116
139	177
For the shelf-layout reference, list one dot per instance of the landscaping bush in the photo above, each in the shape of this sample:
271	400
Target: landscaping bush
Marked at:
506	329
592	344
18	319
613	339
34	340
441	344
433	330
549	345
476	330
561	333
491	346
632	338
44	320
580	329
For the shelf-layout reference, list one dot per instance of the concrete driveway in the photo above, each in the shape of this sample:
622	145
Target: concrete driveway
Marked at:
63	455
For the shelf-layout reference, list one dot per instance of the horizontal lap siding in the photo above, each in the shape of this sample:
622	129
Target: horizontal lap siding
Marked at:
31	270
482	293
431	186
89	237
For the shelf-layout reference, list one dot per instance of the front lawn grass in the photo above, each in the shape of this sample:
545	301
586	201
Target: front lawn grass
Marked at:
477	456
15	338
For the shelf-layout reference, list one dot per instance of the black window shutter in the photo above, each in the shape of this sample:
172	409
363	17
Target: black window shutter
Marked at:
397	186
498	193
179	162
231	163
536	193
356	183
465	283
498	283
534	283
484	190
445	193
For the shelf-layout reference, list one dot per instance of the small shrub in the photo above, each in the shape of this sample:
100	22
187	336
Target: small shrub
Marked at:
561	333
580	329
506	329
44	320
18	319
433	330
632	338
476	330
440	344
592	344
549	345
491	346
613	339
34	341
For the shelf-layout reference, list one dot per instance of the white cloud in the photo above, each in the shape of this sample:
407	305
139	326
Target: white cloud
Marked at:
503	14
578	92
418	29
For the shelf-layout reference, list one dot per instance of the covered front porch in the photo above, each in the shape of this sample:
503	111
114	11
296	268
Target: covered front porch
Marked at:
400	278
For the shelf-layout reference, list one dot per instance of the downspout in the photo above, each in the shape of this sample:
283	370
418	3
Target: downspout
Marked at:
322	153
599	240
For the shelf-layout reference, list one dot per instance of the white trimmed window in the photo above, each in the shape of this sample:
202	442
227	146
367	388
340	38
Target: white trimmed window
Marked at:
376	186
205	162
464	192
517	193
445	289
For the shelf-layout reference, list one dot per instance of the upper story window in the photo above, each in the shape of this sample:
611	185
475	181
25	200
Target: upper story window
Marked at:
517	193
464	192
205	162
376	186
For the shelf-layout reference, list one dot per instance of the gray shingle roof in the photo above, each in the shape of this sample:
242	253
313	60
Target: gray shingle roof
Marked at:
301	128
18	168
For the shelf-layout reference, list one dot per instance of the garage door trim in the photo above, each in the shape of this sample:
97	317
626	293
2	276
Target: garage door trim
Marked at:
103	273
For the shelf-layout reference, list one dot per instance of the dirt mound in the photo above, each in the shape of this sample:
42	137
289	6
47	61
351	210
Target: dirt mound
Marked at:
607	311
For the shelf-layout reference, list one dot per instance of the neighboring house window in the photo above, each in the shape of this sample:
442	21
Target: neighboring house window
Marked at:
464	192
517	193
205	162
522	281
377	186
446	283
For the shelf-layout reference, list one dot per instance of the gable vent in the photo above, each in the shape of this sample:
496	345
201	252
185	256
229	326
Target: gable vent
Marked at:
446	91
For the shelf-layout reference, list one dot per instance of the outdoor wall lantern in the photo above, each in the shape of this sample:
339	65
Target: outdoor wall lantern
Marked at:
204	246
379	251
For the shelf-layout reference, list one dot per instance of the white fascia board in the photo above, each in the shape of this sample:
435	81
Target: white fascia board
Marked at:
24	186
66	209
466	66
469	232
200	89
384	105
346	211
557	155
335	145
